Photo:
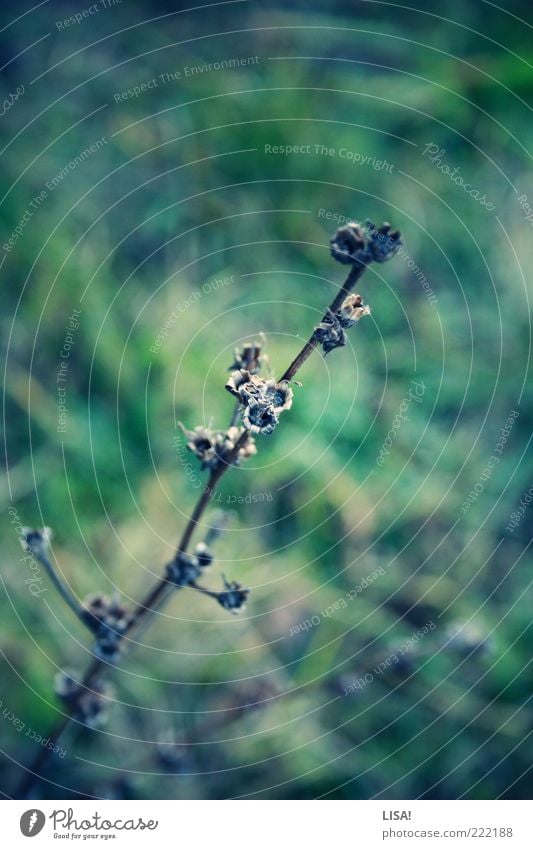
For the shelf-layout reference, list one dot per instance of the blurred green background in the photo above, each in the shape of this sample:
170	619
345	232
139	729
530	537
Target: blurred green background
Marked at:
181	196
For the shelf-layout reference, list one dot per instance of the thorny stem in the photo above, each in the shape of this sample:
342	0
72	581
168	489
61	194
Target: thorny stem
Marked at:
157	593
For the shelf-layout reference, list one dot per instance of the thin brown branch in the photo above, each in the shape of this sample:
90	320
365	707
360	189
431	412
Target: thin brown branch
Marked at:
157	592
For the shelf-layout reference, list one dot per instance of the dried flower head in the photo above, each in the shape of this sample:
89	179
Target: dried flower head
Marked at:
202	443
348	245
280	394
36	541
89	706
236	380
383	242
352	243
467	639
109	620
352	310
259	416
219	523
250	357
226	442
212	447
184	569
245	386
174	757
233	597
263	400
93	705
330	333
66	684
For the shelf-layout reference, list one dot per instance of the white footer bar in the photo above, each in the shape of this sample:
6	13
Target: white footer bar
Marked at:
269	824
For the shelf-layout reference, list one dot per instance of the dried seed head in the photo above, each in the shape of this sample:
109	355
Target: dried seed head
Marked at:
109	620
250	357
355	244
202	443
184	569
66	684
330	333
263	400
174	757
349	244
245	386
204	554
383	242
280	395
36	541
92	706
233	597
236	380
259	416
226	442
247	450
352	310
467	639
213	447
89	706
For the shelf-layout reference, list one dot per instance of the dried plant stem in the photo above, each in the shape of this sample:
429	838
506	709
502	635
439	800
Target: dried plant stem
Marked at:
32	772
143	609
356	272
156	595
62	588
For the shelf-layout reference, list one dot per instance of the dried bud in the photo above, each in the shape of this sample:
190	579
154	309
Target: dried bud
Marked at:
109	620
330	333
383	241
259	416
204	555
36	541
280	394
247	450
250	356
65	684
233	597
202	443
212	447
263	400
226	442
352	310
349	244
